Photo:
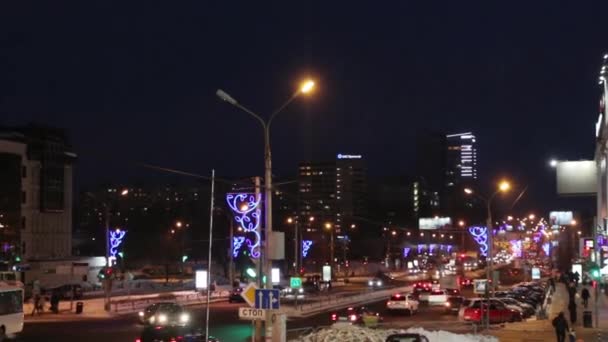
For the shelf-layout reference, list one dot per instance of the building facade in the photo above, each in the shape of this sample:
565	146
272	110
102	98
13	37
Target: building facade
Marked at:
36	194
461	159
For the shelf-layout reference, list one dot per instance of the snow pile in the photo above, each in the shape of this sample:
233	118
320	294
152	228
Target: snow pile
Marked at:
352	333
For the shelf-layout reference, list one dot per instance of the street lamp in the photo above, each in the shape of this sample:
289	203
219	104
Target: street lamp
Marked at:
305	88
503	186
329	227
553	162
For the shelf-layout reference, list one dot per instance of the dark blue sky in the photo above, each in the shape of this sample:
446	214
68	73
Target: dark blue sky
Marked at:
135	81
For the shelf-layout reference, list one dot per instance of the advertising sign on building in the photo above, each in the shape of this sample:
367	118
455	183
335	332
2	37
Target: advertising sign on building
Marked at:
429	223
560	218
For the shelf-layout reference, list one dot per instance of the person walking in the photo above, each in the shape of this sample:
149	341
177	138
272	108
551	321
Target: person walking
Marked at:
561	326
585	296
37	305
552	283
572	309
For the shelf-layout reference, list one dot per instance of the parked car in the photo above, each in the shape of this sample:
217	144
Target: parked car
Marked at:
453	304
235	296
499	313
526	309
402	303
164	314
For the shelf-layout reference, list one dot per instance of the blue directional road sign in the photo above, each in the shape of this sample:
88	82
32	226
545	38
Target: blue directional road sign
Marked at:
267	299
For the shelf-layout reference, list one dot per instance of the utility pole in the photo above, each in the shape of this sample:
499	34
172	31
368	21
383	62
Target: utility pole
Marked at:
231	251
209	251
260	263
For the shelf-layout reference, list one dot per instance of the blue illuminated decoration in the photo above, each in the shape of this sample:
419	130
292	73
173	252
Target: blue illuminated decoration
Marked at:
116	237
420	246
547	248
306	247
247	213
237	242
480	235
516	248
406	251
441	247
449	248
431	247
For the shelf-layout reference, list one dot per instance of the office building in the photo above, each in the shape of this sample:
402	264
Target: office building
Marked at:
333	191
461	166
35	194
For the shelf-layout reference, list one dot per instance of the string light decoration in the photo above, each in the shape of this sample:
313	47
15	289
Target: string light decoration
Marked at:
237	242
516	248
420	246
247	213
116	237
480	235
547	248
449	248
306	244
406	251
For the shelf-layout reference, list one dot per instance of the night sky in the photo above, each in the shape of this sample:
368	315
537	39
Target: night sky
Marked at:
135	81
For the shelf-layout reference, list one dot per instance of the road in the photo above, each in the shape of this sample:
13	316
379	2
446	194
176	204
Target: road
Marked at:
224	323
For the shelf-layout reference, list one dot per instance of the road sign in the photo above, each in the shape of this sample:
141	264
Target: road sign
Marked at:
479	285
248	294
295	282
267	299
252	314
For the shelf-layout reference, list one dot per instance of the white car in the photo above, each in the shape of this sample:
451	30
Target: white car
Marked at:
438	297
402	302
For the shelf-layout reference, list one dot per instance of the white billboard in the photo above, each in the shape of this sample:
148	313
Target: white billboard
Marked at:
560	218
200	279
576	177
434	222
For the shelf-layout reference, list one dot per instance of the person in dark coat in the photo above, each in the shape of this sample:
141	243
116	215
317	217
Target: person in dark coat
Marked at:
55	302
552	283
572	291
572	309
585	296
561	326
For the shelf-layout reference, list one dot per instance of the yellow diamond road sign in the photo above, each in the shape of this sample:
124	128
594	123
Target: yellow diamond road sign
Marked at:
248	294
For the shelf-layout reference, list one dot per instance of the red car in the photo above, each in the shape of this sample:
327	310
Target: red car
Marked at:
465	282
499	313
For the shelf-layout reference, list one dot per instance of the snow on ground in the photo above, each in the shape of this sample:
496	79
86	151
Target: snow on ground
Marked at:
351	333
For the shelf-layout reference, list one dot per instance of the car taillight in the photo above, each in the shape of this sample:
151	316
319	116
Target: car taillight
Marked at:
353	317
447	304
138	340
333	317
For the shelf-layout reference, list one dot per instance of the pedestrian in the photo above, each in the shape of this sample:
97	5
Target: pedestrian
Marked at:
585	296
572	309
552	283
55	302
561	326
36	304
572	292
576	277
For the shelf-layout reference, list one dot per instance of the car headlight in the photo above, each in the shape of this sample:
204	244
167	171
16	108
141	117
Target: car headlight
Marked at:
184	318
301	290
379	283
370	283
141	314
162	318
152	319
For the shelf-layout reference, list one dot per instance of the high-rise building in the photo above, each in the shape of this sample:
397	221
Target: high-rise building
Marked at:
334	191
35	193
461	159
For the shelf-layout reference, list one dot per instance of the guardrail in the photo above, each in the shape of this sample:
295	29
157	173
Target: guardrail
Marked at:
188	299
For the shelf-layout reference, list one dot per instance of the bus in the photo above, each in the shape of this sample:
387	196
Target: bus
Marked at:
11	311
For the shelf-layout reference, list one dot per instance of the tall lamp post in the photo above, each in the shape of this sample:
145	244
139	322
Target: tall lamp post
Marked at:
503	186
305	88
297	254
330	227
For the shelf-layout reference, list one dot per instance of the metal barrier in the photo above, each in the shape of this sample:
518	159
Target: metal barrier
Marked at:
188	299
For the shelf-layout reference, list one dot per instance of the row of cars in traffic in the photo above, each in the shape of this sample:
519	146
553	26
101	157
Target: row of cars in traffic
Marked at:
169	321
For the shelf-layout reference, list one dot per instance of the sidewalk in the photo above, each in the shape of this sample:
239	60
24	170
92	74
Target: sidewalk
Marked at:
542	330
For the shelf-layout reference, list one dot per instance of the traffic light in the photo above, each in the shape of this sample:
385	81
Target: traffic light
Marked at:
17	259
250	272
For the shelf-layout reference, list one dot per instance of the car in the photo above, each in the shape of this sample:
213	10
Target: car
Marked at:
437	297
402	302
466	282
453	304
526	309
291	292
499	313
361	315
406	337
375	283
164	314
235	296
452	292
173	333
65	291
